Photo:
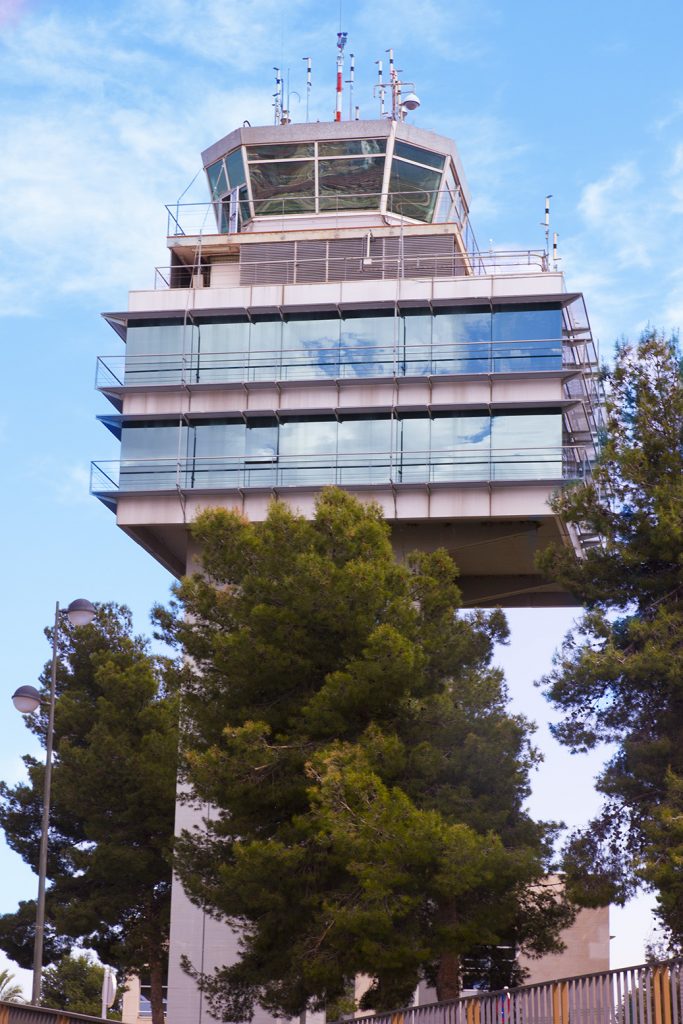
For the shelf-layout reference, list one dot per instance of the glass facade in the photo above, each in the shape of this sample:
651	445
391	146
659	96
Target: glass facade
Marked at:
415	342
353	449
343	174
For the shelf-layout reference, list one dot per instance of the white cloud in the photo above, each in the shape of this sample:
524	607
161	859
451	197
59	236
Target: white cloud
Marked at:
73	487
616	208
85	175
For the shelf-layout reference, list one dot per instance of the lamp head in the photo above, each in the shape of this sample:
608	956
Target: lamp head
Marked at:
81	612
26	699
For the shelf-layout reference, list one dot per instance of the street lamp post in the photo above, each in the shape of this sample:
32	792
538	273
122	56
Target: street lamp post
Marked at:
27	699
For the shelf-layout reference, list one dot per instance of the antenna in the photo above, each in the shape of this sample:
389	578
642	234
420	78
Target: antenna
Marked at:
308	85
546	223
357	113
341	43
555	256
277	96
287	111
380	89
286	116
394	86
350	80
399	106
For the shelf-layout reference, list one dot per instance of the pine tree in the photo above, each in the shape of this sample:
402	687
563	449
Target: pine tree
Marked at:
74	983
112	808
619	675
346	721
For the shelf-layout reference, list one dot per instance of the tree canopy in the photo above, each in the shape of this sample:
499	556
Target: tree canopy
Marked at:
74	983
619	675
113	802
345	720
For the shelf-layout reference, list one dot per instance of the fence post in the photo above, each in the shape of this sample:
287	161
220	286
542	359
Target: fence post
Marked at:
474	1011
560	1003
661	997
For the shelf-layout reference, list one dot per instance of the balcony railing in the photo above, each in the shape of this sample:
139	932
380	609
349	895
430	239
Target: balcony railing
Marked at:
272	472
334	363
631	995
415	206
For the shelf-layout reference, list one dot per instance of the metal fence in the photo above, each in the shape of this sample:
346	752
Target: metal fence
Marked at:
23	1013
633	995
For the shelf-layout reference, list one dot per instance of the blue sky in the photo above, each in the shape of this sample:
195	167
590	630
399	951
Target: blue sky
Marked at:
104	110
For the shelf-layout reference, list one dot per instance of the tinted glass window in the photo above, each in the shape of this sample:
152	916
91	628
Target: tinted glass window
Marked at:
218	182
219	440
235	166
283	187
279	151
308	437
367	345
462	342
352	147
527	446
407	178
421	156
525	324
350	184
153	441
157	338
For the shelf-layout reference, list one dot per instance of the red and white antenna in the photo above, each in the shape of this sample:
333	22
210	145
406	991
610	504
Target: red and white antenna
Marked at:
341	43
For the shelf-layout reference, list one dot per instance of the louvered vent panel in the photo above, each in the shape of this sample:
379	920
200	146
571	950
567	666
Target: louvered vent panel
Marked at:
350	259
311	261
346	259
267	263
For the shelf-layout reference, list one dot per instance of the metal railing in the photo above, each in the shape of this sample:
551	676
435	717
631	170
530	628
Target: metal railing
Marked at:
271	472
334	269
335	362
420	206
631	995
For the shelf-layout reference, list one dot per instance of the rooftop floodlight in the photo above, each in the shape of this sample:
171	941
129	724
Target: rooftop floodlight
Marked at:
26	699
81	612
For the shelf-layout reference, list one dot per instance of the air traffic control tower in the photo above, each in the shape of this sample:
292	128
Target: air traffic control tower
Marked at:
327	318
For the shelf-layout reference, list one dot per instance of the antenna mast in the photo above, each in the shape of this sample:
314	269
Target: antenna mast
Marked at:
341	43
546	224
395	87
380	89
308	86
277	96
349	82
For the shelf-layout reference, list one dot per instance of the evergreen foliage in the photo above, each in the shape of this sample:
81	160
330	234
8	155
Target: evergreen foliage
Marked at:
619	675
112	808
346	722
74	983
